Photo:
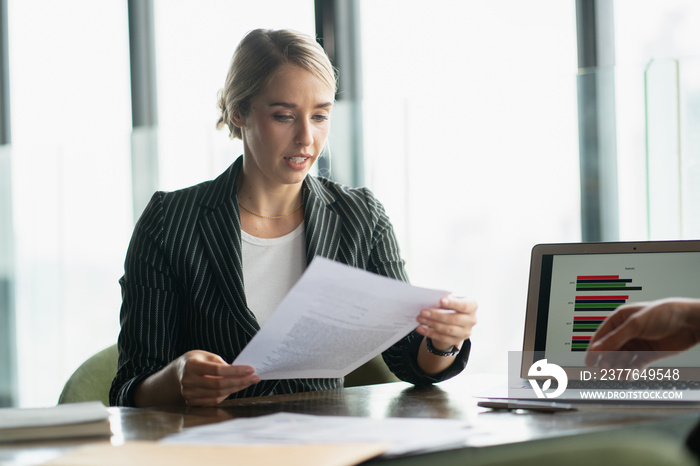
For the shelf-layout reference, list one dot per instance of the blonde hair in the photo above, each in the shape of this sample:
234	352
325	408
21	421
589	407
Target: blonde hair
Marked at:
259	55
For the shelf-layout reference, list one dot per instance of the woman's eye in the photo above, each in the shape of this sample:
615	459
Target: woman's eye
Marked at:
320	118
283	117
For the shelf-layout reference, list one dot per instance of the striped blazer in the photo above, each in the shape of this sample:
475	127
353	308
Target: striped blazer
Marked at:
183	287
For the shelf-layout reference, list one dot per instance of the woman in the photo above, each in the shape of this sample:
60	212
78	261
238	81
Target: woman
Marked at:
186	313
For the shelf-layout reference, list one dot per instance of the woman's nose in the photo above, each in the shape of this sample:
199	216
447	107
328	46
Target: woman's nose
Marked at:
304	136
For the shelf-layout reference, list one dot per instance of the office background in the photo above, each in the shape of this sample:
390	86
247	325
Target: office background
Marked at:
485	127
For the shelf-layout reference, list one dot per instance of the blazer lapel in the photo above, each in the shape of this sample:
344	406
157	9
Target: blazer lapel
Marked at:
220	228
322	224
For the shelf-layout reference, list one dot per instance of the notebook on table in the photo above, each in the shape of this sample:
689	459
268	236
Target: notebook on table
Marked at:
573	288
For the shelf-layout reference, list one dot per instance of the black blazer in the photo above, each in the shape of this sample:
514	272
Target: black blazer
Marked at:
183	287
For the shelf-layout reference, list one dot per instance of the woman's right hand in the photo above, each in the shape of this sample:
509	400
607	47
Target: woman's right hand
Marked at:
197	378
206	379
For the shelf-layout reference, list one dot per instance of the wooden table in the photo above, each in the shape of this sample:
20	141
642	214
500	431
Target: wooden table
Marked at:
494	431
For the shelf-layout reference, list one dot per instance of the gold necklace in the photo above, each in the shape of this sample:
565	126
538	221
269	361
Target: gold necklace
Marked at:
270	218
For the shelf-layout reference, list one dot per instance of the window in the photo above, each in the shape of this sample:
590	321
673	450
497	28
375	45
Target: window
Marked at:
71	188
70	157
658	113
471	143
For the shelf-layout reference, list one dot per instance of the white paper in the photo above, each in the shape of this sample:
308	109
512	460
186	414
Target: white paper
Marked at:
333	320
403	435
70	413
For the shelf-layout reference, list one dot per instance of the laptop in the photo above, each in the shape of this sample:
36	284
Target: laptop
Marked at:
573	288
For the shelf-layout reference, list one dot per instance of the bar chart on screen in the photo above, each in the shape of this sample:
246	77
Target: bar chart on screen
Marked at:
604	283
586	289
591	310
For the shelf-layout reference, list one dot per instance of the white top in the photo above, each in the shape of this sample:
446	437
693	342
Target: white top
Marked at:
271	266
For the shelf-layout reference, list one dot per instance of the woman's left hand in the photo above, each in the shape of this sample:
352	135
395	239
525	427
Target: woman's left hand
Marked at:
450	324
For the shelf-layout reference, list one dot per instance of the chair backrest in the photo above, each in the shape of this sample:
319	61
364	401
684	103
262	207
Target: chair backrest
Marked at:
92	380
372	372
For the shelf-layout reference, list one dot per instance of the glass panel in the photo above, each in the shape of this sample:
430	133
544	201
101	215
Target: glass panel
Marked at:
658	148
194	45
8	362
631	150
658	111
71	188
663	139
71	156
471	143
598	153
690	144
672	103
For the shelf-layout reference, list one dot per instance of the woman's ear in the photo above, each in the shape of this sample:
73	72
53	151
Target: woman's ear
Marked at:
237	119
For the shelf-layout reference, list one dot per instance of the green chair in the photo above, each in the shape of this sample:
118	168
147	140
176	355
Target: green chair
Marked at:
92	380
372	372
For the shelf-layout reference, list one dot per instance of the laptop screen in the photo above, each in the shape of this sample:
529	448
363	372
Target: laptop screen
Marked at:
575	287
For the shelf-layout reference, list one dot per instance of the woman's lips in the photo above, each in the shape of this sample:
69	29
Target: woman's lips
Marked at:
297	162
297	159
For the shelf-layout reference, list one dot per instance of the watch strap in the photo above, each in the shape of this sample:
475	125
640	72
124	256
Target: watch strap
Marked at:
450	352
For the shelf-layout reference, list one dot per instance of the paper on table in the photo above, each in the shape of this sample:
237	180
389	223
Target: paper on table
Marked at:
142	453
71	413
87	419
333	320
402	435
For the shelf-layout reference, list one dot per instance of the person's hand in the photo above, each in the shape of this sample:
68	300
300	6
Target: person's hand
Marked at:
450	324
206	379
637	332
